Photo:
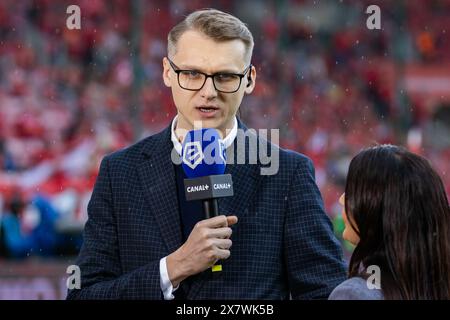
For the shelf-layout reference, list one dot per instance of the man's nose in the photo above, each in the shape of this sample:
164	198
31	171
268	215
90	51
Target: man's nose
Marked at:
208	90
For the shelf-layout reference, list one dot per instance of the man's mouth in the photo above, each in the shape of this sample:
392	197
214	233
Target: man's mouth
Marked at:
207	109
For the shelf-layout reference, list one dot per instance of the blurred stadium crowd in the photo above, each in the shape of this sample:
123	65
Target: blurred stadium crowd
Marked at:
332	87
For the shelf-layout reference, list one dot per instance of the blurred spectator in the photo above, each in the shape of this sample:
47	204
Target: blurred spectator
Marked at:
26	229
30	228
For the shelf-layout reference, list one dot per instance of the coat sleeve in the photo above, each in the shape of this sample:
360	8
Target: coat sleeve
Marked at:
99	259
312	253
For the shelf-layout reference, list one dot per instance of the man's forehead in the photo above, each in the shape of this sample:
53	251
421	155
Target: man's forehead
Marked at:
200	52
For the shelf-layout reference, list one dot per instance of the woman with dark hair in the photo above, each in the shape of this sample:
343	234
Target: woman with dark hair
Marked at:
396	213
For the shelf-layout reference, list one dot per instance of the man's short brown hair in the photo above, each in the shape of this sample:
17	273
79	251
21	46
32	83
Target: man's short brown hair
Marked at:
215	24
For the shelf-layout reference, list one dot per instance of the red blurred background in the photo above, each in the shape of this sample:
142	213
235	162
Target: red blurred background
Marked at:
331	85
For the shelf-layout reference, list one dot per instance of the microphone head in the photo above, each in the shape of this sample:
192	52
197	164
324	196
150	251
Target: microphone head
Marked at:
203	153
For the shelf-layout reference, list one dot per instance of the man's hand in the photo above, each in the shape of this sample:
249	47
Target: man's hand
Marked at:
208	242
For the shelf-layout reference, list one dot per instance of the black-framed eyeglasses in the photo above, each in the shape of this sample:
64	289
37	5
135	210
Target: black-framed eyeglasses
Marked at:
194	80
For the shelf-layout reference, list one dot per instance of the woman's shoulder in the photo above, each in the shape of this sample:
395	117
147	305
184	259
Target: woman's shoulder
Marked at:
355	289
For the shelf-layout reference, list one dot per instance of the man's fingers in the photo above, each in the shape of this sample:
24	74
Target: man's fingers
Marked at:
223	243
219	221
223	254
232	220
220	233
215	222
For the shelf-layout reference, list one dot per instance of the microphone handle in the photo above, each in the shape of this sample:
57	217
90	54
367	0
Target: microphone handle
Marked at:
211	208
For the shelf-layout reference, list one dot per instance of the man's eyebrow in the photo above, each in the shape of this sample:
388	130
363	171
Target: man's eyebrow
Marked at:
196	68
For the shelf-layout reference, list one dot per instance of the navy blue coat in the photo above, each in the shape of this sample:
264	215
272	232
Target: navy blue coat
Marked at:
283	244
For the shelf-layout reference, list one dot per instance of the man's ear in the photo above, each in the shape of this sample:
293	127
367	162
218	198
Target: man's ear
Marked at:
166	72
250	81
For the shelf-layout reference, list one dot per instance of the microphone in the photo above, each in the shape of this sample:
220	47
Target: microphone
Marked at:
204	161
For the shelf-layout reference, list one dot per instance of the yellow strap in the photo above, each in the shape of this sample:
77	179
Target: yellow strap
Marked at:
216	268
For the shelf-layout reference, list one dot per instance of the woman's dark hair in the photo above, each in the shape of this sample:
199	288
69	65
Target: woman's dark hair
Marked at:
397	204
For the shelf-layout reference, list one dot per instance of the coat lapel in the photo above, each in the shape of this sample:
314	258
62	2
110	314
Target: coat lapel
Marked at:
245	177
157	175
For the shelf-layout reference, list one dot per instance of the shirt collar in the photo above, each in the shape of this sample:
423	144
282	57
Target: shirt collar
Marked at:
228	141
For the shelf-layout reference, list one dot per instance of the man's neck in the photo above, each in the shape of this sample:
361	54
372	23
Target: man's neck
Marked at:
179	132
181	128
